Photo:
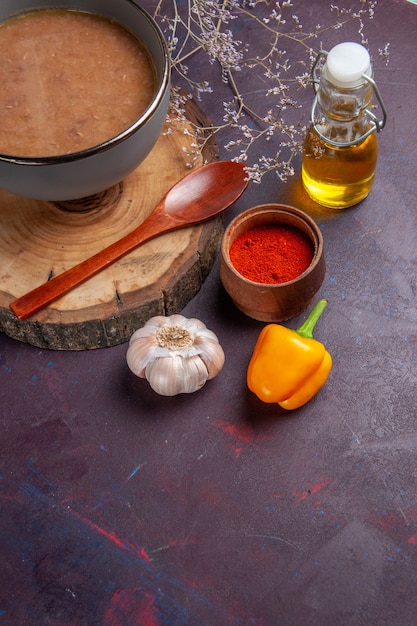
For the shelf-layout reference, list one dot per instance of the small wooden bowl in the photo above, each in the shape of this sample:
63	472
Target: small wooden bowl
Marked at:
273	302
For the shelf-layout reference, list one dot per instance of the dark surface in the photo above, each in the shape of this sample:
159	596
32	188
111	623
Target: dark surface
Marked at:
121	507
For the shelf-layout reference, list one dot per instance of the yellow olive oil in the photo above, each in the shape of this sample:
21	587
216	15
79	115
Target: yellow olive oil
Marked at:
338	177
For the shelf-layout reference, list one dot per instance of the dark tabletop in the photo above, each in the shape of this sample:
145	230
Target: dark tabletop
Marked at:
122	507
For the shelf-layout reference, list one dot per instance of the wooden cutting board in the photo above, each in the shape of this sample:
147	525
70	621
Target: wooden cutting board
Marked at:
41	239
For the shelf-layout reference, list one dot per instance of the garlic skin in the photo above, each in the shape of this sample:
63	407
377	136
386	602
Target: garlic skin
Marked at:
175	354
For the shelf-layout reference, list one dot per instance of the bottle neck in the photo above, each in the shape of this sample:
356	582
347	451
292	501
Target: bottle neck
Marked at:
343	104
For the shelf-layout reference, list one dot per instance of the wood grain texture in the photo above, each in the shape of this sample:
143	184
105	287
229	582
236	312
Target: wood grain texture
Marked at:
41	239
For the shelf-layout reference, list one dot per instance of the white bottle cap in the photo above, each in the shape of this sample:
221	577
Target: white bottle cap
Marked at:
347	63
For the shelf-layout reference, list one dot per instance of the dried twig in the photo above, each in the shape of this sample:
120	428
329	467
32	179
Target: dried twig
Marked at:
279	70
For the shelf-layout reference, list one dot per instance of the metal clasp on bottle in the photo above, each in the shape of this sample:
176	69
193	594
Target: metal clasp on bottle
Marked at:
376	124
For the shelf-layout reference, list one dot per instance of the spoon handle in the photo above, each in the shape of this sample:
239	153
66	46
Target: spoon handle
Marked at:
37	299
197	197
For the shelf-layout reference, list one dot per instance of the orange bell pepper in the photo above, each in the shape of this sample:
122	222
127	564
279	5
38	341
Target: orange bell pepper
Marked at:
289	366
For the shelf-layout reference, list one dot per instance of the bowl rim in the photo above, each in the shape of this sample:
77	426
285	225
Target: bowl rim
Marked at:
273	208
163	85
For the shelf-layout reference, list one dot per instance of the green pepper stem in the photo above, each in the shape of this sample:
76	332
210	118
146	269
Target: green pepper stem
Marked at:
306	329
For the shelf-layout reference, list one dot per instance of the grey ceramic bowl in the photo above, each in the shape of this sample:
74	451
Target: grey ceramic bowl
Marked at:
90	171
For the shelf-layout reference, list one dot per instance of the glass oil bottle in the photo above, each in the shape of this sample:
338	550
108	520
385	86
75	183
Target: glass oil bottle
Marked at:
340	149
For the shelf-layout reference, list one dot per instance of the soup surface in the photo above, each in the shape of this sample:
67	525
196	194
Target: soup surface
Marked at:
69	81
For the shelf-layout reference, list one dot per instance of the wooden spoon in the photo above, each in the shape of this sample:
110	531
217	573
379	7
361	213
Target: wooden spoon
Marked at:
195	198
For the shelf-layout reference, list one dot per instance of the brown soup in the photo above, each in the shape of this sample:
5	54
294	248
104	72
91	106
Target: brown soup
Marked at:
69	81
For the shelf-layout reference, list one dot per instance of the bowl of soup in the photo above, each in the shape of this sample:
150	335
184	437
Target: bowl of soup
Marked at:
85	92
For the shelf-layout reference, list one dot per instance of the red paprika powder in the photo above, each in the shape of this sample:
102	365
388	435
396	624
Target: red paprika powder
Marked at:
272	253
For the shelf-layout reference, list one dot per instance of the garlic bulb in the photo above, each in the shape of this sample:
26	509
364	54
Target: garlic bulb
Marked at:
175	354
